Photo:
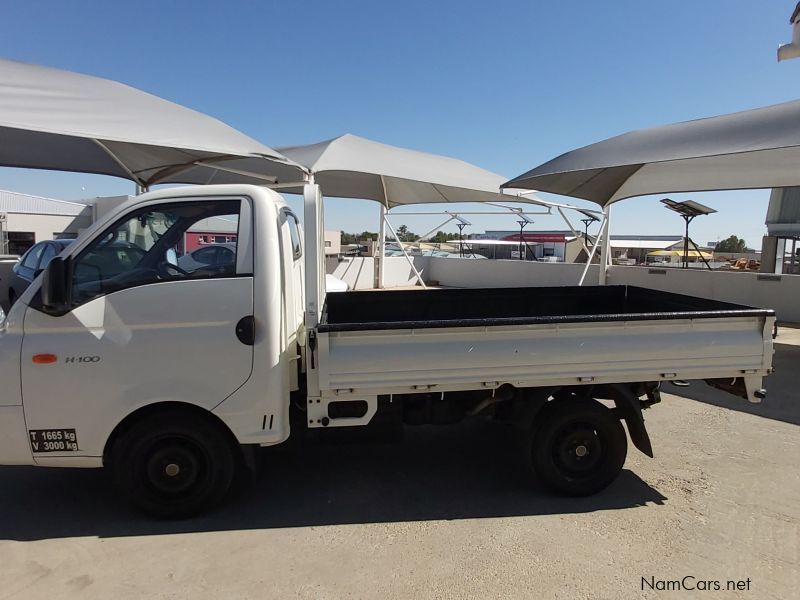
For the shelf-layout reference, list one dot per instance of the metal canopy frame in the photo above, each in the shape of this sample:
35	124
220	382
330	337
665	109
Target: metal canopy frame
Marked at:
521	213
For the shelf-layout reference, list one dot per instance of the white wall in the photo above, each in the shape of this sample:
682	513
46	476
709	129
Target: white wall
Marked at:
44	226
335	240
359	272
751	289
455	272
781	293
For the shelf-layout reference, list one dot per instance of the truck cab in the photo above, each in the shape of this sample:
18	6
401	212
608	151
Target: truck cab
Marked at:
137	334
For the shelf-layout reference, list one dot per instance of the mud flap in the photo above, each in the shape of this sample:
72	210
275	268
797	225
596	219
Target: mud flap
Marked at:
747	387
630	408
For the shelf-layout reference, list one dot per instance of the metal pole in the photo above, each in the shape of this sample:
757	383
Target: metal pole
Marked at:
591	254
3	236
434	230
380	258
460	244
314	274
403	250
606	252
686	242
574	232
700	254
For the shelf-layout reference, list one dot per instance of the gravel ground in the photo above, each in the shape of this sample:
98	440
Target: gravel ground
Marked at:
448	513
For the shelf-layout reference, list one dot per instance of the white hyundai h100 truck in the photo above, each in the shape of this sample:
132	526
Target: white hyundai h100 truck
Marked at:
170	375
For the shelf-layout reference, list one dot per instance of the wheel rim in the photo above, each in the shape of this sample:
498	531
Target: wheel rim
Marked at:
175	467
578	449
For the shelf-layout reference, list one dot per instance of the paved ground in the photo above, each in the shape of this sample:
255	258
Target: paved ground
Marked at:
448	513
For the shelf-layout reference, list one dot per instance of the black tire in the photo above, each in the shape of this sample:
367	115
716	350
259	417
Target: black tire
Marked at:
174	464
577	447
12	297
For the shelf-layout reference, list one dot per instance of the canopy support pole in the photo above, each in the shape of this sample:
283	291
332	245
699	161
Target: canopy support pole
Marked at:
606	252
594	249
217	167
574	232
380	257
380	252
403	250
434	230
137	180
314	251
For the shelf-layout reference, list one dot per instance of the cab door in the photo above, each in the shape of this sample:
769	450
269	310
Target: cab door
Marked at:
141	329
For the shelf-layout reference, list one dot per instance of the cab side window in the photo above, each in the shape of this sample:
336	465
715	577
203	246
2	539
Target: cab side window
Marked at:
156	244
294	232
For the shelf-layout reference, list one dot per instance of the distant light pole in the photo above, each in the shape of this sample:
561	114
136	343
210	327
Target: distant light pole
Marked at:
689	209
586	222
523	221
460	244
461	222
521	227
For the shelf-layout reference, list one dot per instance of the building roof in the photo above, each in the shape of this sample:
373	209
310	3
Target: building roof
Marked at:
645	243
15	202
674	238
530	236
216	225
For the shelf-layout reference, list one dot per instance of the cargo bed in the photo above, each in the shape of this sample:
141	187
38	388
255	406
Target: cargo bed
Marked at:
385	342
417	309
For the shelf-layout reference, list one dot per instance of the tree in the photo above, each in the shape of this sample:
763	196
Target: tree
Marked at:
731	244
358	238
441	237
405	235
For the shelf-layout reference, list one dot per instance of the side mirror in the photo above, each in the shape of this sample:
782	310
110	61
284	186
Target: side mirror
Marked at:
57	285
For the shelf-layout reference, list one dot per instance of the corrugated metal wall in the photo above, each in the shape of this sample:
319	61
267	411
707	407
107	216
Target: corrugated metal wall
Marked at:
14	202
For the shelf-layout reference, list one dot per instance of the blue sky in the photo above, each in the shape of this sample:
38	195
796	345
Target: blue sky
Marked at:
505	85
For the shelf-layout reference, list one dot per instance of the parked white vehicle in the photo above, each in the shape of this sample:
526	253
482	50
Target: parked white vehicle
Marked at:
169	378
218	257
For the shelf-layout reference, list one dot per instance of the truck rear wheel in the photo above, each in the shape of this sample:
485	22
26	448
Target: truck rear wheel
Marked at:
577	447
174	464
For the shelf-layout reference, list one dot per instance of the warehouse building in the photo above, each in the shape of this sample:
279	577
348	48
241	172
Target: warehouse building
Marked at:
26	219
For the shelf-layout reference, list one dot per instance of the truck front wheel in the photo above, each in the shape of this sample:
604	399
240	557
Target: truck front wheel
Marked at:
577	446
174	465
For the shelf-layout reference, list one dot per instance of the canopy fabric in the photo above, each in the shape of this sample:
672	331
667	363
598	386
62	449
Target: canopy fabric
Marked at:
691	253
60	120
752	149
350	166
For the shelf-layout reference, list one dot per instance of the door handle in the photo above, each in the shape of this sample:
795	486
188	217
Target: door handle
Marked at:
246	330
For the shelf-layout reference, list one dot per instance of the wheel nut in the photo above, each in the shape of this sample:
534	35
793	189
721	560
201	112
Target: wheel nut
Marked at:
172	469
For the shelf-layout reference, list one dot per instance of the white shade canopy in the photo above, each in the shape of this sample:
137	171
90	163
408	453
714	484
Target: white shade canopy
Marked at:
752	149
350	166
60	120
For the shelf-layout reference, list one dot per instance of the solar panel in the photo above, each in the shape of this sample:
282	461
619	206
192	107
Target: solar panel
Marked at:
688	208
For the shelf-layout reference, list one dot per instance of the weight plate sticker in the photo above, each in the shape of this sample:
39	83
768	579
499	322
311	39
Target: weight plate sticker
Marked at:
53	440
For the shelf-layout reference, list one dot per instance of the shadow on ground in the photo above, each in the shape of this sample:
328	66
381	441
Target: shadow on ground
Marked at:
783	390
459	472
